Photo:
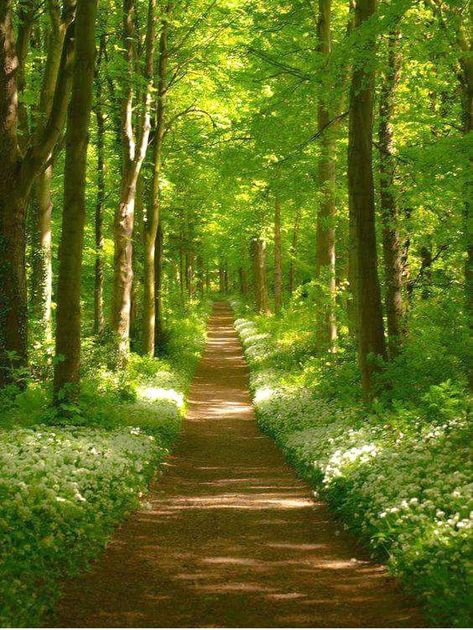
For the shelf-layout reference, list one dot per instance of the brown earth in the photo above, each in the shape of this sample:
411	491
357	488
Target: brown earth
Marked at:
229	537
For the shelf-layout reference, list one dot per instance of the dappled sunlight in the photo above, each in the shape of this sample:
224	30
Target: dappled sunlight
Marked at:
229	536
158	393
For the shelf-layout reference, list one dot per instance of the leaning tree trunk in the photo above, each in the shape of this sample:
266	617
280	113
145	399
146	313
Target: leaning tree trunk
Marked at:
42	272
134	154
392	250
260	283
371	340
277	258
325	236
68	323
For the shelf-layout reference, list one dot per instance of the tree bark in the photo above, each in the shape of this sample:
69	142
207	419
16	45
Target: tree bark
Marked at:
392	250
293	251
99	318
243	276
221	278
68	323
466	44
159	333
371	340
260	283
42	273
17	173
13	322
153	216
325	236
277	258
134	154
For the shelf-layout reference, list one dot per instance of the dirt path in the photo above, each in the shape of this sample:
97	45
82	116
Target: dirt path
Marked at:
230	536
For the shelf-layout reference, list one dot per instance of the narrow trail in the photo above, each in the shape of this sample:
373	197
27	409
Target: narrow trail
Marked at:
230	537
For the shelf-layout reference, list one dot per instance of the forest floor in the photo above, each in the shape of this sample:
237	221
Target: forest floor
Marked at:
228	536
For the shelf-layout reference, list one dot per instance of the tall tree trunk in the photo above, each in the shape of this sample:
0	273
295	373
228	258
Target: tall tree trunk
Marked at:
221	278
13	314
467	89
260	283
42	272
277	258
392	251
371	340
325	235
293	251
68	323
134	154
159	334
17	174
243	276
99	318
153	218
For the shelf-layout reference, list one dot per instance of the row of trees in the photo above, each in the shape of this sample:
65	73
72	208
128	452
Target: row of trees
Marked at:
366	92
154	150
61	61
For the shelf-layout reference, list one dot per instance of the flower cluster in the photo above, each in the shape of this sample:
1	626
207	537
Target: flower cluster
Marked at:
403	484
62	491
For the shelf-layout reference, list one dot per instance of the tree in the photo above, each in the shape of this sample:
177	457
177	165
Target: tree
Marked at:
277	257
68	323
42	272
371	340
260	282
392	251
152	269
325	237
20	165
134	152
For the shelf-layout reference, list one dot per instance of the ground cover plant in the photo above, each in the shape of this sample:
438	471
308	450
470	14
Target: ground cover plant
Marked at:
399	475
67	480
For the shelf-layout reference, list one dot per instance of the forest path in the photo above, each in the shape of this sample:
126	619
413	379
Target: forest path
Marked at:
229	536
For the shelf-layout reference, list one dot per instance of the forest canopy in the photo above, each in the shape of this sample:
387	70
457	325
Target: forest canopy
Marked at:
310	159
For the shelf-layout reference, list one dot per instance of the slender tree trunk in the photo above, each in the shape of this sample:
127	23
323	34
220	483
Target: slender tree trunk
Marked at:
467	85
362	208
42	272
68	323
260	283
393	269
243	276
293	252
159	333
153	218
277	258
182	264
99	318
221	278
325	235
134	154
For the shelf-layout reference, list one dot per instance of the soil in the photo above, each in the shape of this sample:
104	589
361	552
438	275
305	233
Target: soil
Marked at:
229	536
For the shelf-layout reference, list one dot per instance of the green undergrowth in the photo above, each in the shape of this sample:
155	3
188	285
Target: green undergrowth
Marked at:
66	482
398	474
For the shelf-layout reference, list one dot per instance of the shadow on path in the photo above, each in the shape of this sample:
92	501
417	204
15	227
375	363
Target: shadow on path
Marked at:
229	536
